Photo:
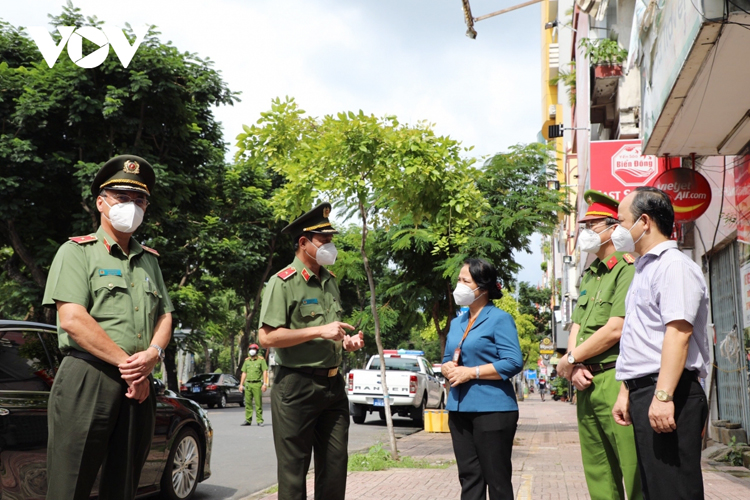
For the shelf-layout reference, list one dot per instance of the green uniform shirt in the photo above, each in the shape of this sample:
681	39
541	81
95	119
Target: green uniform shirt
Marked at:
125	294
254	368
295	298
603	290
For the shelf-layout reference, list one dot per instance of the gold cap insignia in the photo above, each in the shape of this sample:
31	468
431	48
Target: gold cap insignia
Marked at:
131	167
326	211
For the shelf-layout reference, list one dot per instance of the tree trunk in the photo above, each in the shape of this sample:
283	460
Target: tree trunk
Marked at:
233	366
39	277
378	342
207	358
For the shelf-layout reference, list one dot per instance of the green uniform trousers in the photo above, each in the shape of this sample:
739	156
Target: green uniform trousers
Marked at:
91	425
253	394
607	448
310	412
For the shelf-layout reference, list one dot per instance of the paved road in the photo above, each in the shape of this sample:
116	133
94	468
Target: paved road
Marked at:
244	462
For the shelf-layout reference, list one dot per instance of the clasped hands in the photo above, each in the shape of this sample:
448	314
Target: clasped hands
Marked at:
337	331
579	375
457	374
135	370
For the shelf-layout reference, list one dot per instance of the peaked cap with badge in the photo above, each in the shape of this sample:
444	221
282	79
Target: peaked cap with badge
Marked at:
315	221
600	206
125	172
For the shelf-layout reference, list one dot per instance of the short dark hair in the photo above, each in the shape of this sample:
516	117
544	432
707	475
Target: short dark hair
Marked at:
656	204
484	275
306	234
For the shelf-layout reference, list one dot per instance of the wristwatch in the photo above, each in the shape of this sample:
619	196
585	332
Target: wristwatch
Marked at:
571	358
158	350
662	396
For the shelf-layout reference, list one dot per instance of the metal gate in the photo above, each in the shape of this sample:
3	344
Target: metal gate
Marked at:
726	308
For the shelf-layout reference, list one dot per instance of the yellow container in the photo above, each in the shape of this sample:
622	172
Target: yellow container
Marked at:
436	421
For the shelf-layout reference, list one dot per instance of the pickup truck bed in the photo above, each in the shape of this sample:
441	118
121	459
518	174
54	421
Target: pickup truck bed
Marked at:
412	387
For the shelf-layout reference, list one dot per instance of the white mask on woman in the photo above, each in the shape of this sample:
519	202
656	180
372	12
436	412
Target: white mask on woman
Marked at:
464	296
125	217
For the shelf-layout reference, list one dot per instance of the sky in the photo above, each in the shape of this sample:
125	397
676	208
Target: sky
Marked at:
409	58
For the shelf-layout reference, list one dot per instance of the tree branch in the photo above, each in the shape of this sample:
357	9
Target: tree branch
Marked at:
39	277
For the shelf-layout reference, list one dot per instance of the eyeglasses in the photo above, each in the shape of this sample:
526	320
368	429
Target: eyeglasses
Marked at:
123	198
592	225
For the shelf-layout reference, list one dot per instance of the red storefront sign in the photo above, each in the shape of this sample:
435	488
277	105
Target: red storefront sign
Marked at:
689	191
742	197
617	167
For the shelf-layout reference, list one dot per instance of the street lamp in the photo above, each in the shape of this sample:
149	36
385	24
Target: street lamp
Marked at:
553	185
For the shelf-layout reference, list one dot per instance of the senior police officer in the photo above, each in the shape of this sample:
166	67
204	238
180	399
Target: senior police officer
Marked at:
114	321
254	382
608	450
301	318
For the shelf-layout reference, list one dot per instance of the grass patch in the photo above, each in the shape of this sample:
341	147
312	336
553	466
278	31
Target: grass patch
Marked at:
378	458
273	489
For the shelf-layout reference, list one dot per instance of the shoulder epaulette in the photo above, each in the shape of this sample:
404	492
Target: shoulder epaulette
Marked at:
83	239
150	250
287	273
628	258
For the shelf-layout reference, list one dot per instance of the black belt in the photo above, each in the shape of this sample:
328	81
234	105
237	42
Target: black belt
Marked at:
320	372
649	380
85	356
600	367
251	381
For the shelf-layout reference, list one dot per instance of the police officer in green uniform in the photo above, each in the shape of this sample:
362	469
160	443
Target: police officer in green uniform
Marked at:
301	318
608	449
253	382
114	322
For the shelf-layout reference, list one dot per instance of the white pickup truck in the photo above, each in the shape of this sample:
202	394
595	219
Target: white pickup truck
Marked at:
412	386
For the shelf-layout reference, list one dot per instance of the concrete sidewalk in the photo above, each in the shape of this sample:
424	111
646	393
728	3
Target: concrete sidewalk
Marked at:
546	465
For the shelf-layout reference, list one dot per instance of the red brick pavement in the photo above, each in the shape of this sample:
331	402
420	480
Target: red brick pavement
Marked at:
546	465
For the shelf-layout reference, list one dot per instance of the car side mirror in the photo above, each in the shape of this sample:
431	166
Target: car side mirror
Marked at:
159	386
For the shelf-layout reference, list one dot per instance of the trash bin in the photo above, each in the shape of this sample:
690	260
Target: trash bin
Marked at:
436	421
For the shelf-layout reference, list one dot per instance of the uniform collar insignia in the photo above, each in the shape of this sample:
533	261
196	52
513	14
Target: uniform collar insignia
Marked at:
612	262
107	245
305	274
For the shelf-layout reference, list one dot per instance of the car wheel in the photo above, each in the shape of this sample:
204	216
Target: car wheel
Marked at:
381	414
417	414
441	406
223	401
358	413
242	401
210	405
183	466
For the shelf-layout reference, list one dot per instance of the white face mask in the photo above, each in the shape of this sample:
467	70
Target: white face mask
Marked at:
125	217
622	238
464	296
589	240
326	255
253	352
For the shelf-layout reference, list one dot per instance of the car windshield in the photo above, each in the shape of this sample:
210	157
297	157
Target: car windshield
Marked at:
205	378
401	364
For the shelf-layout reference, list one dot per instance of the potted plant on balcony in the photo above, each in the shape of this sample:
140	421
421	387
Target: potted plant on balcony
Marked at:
605	55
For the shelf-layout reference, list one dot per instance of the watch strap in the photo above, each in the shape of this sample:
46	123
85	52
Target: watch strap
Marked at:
158	350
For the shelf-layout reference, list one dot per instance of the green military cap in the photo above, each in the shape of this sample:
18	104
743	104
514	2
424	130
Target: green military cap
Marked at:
600	206
126	172
314	221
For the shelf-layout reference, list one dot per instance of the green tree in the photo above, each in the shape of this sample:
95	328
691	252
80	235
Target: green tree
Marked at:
59	125
527	334
535	301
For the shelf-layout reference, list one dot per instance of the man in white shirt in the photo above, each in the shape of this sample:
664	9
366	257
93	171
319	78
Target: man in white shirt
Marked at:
663	349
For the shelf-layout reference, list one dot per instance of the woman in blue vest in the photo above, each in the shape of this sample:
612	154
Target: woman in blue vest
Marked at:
482	353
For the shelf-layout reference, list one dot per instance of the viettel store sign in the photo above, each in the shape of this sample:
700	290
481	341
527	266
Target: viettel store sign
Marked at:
689	191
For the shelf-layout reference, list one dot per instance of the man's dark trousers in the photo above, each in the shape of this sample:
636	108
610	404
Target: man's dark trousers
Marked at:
670	463
310	412
88	420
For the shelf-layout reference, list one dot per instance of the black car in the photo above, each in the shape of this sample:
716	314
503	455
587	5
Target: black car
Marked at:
180	451
213	389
